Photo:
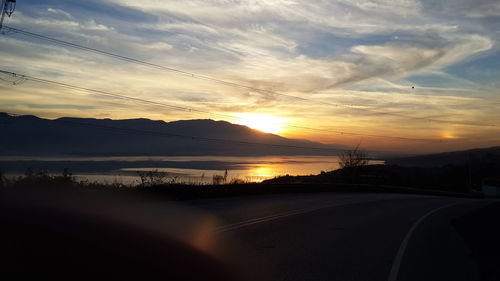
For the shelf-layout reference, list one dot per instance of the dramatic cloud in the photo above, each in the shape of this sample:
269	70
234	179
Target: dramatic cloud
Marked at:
349	61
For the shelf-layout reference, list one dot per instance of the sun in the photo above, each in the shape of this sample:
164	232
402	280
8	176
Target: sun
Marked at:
262	122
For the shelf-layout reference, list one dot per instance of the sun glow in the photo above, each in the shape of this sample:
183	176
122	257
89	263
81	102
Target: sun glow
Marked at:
448	135
262	122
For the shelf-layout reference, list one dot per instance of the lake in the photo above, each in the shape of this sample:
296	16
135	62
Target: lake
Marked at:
187	169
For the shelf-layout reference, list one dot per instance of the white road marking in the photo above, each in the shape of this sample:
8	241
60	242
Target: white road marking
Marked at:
249	222
393	275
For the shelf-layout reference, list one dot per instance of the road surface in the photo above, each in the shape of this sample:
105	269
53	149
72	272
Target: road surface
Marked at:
348	236
317	236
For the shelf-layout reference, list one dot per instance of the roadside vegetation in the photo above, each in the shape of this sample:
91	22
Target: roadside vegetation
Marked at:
150	182
368	178
467	177
354	175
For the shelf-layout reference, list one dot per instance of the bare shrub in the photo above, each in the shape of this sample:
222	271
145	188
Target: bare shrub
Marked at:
152	178
353	158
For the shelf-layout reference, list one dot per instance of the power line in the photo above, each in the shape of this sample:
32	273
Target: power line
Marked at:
20	77
224	82
169	135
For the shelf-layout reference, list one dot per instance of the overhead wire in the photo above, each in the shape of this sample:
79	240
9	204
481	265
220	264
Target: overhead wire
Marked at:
188	109
170	134
228	83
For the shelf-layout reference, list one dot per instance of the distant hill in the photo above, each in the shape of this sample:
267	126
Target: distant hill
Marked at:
458	171
33	136
483	155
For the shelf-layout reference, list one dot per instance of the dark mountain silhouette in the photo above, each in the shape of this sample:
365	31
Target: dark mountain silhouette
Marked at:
33	136
458	171
484	155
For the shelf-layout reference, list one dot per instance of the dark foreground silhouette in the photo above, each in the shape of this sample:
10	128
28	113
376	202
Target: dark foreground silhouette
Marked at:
62	236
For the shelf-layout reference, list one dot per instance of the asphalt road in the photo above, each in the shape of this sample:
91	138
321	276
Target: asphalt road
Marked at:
320	236
349	236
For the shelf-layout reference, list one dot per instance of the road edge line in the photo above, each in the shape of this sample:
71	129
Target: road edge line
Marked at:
393	274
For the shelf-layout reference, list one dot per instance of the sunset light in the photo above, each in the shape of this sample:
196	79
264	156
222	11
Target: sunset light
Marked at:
408	77
448	135
250	140
262	122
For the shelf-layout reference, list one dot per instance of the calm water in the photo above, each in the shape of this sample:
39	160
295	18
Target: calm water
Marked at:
192	169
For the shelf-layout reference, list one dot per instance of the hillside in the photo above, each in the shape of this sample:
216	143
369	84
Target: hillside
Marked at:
33	136
491	154
458	171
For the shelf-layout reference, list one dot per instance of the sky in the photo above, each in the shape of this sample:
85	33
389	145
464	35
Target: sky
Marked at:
425	75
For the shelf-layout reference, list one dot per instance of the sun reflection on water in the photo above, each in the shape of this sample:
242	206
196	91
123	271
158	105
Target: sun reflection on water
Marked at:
201	169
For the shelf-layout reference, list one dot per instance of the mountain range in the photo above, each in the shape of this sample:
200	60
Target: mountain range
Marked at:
28	135
465	157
